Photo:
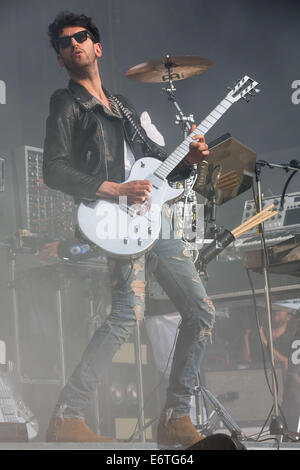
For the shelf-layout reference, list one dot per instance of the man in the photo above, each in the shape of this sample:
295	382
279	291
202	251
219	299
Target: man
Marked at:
84	156
282	337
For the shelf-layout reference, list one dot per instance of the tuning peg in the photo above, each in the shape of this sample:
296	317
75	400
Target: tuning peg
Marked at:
257	90
253	92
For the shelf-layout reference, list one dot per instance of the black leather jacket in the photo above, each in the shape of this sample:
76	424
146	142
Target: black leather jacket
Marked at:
84	144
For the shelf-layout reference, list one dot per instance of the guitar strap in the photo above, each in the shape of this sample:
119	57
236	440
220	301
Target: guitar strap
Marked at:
138	129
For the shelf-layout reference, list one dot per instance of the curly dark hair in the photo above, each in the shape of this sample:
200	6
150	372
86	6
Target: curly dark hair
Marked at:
66	18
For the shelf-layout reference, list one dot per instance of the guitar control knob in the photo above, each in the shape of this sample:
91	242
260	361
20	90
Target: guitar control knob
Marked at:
149	230
143	164
136	228
139	241
125	240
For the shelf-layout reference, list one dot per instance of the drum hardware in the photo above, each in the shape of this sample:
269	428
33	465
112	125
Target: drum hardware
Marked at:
229	171
170	69
188	202
154	71
149	73
208	424
224	237
182	119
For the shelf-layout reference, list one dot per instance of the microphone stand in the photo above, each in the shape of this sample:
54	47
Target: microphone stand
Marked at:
277	426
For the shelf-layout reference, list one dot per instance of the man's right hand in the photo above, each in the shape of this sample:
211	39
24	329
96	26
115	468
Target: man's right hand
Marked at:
136	191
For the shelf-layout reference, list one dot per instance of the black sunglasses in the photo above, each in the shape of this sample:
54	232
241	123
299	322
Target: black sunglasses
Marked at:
80	37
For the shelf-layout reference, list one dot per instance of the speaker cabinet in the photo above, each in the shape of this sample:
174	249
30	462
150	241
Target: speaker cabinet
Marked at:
118	392
254	400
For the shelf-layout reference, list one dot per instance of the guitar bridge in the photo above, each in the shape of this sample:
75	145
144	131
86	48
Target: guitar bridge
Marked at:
128	210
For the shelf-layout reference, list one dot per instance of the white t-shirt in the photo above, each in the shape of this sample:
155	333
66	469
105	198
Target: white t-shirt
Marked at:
128	159
151	132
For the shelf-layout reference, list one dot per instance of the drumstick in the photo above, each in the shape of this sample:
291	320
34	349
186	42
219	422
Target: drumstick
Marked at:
243	229
252	223
259	218
256	216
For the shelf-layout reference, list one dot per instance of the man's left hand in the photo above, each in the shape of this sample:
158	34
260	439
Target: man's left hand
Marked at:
198	149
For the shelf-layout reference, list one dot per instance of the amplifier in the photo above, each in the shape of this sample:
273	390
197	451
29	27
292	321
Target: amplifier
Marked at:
41	210
254	400
119	388
287	218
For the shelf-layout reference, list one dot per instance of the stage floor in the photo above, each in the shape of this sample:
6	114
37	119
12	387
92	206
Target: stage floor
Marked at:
40	446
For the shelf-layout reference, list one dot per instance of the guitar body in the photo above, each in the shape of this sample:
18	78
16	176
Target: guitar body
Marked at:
123	230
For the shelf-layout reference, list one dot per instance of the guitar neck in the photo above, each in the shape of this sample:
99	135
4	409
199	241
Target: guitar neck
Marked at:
180	152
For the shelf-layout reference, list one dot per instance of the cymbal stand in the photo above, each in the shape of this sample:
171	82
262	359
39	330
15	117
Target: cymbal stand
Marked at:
204	423
185	121
182	119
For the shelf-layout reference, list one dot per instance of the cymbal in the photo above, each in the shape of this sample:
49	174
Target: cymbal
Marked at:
156	70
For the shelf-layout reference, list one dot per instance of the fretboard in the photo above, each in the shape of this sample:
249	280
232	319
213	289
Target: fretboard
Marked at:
180	152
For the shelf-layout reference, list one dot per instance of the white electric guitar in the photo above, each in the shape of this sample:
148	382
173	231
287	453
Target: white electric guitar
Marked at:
124	230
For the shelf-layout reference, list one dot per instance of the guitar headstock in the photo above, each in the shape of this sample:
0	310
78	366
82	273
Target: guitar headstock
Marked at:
245	88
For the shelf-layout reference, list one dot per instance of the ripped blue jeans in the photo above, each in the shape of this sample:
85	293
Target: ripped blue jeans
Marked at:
176	273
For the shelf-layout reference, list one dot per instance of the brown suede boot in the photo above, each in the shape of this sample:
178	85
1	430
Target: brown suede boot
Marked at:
176	433
72	430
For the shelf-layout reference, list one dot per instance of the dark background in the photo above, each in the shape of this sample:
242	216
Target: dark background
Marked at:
257	38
